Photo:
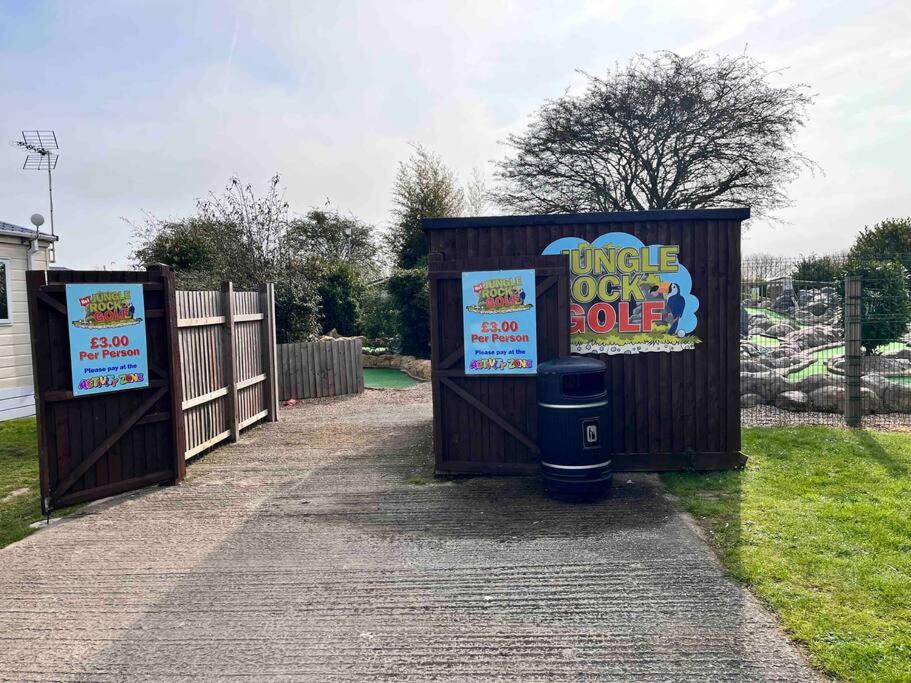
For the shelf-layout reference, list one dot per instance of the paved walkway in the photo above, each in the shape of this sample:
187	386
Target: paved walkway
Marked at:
310	551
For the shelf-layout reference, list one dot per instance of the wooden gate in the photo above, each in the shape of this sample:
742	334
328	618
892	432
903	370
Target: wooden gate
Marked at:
91	447
483	424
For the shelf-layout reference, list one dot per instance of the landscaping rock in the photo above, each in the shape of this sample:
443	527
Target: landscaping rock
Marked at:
828	399
795	401
783	351
896	397
904	353
781	329
809	337
813	382
751	400
784	303
818	306
766	384
752	366
870	401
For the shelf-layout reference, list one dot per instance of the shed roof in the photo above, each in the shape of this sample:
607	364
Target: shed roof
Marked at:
29	233
732	214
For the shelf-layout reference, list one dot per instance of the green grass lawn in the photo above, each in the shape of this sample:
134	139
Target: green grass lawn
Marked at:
386	378
818	525
18	470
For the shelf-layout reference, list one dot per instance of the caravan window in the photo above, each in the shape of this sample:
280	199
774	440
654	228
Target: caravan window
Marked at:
6	305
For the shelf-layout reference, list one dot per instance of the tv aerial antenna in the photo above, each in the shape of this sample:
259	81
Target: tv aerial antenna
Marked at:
41	147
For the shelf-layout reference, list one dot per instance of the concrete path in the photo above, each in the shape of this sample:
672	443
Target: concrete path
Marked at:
311	551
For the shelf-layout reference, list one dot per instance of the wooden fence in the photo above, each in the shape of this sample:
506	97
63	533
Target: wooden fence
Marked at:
321	368
227	353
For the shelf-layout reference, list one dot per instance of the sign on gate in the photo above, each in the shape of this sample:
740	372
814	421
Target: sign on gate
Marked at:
499	322
107	331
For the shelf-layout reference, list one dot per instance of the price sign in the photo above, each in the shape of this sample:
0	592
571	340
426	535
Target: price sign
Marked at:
500	322
107	333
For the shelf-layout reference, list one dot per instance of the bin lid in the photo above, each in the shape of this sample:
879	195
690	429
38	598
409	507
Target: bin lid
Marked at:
571	365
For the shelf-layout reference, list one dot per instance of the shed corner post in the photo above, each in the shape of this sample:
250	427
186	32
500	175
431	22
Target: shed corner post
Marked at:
165	274
853	353
269	360
227	349
34	281
435	261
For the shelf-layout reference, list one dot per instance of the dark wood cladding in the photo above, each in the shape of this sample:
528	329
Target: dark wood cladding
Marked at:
95	446
669	411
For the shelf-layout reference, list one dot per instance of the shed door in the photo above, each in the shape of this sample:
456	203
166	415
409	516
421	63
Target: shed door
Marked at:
95	446
489	424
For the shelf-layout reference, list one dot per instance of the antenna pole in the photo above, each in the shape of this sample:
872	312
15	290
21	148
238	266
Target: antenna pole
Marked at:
50	196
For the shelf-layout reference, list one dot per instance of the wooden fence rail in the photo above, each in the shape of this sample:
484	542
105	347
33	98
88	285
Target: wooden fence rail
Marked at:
320	368
227	352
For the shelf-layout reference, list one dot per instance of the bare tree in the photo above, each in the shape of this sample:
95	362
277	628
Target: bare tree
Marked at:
663	132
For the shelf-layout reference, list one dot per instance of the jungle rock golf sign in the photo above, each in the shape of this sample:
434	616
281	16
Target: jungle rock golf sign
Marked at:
627	297
107	337
499	322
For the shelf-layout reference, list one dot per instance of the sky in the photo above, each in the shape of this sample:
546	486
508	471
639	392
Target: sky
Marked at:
157	103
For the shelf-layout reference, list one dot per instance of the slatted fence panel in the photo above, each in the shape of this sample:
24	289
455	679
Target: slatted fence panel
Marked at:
320	368
226	341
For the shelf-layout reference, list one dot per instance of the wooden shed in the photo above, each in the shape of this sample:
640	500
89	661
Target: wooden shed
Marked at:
674	384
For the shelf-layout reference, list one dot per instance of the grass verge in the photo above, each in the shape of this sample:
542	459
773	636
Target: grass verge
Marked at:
20	497
819	526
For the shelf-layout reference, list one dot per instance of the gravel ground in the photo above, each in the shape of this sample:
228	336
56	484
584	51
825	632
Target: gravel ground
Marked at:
312	550
770	416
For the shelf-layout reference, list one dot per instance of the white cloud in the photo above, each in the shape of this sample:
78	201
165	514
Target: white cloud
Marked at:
157	105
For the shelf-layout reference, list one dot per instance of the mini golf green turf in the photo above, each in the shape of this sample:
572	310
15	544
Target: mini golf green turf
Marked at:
762	340
387	378
821	356
773	315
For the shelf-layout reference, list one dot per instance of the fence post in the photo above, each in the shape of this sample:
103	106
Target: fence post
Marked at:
175	369
270	369
853	355
227	307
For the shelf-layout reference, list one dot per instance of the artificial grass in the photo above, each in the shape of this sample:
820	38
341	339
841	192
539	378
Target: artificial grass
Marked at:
819	365
773	315
819	526
386	378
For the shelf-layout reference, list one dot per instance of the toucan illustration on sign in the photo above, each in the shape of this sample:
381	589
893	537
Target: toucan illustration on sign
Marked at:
628	297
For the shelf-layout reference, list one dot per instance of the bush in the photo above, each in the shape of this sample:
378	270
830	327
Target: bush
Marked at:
885	303
410	295
340	292
815	270
296	307
379	317
889	240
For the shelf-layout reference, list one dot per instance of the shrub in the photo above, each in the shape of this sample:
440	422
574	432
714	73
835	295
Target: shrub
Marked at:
889	240
815	270
340	292
885	303
379	316
410	296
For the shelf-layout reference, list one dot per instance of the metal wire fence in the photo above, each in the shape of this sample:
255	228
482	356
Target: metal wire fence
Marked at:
829	349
